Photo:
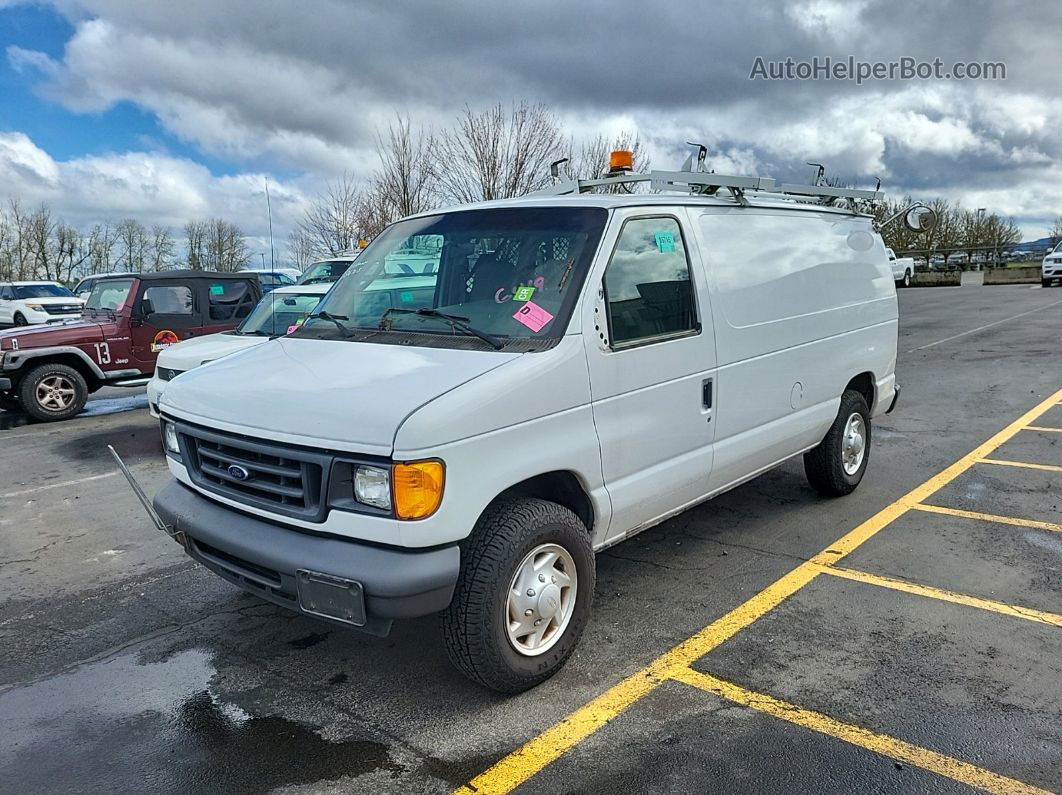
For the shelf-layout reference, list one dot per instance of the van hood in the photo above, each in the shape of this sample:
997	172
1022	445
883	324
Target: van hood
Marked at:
350	396
189	354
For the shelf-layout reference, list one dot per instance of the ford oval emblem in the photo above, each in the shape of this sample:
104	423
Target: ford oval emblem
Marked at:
237	472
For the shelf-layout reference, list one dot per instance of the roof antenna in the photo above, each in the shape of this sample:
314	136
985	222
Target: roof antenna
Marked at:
554	169
702	154
819	174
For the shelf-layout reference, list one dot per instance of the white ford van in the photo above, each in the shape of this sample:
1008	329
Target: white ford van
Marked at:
575	369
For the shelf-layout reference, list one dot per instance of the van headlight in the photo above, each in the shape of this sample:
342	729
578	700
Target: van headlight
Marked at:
169	438
372	486
411	490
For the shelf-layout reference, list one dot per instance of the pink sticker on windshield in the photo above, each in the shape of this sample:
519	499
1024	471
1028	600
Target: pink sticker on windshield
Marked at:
292	329
533	316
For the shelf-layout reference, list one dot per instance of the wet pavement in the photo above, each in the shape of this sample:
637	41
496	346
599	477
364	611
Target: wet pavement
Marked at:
126	666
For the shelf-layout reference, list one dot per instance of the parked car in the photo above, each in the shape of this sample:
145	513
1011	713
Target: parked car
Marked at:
1051	267
84	287
328	270
902	268
270	279
278	313
586	367
34	303
127	320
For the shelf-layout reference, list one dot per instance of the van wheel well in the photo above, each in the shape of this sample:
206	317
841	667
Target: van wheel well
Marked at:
864	385
561	487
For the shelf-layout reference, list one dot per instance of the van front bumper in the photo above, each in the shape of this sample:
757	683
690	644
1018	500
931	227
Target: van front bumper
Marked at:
275	562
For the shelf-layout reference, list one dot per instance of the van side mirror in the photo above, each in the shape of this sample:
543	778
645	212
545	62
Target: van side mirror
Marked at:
920	218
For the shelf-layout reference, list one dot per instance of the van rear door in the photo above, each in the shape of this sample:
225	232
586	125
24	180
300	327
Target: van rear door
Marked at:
651	358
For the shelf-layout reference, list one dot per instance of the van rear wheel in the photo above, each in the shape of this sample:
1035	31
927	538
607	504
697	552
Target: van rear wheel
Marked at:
523	596
836	466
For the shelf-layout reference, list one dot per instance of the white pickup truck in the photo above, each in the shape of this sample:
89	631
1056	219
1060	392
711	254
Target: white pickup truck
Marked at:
902	268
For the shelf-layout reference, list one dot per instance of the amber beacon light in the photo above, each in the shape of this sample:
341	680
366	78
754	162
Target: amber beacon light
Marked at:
621	160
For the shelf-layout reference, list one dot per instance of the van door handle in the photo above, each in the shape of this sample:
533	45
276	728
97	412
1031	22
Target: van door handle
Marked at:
706	394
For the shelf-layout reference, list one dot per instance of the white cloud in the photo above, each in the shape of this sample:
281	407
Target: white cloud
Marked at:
152	187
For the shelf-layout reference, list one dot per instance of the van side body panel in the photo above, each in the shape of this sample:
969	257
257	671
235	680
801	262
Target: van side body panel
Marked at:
803	301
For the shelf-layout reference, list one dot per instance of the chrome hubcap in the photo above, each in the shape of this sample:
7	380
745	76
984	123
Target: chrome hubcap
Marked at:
55	393
541	599
854	444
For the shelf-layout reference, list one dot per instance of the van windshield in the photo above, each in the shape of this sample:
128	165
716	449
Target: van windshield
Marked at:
512	274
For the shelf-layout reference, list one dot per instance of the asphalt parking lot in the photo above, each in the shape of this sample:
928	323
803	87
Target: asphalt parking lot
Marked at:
905	638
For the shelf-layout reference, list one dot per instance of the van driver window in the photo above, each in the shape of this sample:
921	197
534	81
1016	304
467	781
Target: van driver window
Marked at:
647	282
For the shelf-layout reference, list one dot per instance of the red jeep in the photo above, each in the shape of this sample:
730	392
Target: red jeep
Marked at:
49	371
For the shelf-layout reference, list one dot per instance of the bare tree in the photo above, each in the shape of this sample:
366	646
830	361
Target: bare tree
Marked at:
301	249
497	154
162	250
132	244
224	248
403	183
101	241
1000	233
1056	232
333	222
194	244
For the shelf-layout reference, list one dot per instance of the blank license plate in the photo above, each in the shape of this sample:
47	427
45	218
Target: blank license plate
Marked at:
331	597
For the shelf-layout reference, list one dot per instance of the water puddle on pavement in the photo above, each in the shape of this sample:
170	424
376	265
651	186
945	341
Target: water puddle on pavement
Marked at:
123	726
94	408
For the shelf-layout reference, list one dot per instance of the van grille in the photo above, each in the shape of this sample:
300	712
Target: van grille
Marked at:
278	478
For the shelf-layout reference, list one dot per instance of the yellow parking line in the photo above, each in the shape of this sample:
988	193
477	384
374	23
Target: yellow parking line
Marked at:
523	763
883	744
1020	464
1040	616
988	517
1042	428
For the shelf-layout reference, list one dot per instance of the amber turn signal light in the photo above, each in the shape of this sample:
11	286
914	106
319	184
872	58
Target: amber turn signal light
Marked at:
418	488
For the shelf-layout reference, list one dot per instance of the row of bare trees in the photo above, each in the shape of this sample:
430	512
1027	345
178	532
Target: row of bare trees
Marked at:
37	244
959	230
497	153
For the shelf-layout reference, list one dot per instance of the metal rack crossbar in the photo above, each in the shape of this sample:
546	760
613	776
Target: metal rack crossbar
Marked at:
706	183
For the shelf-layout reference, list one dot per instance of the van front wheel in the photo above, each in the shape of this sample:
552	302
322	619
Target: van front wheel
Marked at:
836	466
523	596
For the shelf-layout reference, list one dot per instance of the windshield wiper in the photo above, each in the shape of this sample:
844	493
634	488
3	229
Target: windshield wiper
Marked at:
456	322
335	319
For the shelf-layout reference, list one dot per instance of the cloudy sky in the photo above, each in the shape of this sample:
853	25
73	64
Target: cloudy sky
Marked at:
167	111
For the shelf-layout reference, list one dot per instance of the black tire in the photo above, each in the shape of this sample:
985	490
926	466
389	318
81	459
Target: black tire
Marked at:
19	320
63	374
1045	282
906	278
475	625
824	465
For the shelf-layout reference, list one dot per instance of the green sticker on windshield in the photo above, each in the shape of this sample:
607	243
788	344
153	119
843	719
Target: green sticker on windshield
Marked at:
665	242
406	297
217	289
524	294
